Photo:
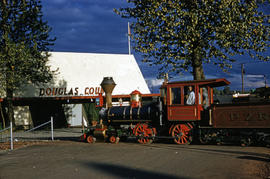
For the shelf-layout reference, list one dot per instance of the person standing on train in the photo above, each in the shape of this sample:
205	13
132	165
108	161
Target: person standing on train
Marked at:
205	98
191	96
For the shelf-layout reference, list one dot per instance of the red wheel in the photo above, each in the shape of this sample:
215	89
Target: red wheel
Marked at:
90	139
182	134
144	133
114	140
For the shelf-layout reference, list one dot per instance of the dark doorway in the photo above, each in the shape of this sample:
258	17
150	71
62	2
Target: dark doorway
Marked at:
43	112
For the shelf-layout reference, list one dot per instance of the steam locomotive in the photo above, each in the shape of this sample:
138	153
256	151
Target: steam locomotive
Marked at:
170	116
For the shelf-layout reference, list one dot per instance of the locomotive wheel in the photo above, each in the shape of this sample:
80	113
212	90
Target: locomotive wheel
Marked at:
205	137
114	140
144	133
90	139
246	142
181	134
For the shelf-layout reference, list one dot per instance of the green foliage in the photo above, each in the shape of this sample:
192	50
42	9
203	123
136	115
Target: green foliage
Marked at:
227	90
91	112
24	44
224	91
183	35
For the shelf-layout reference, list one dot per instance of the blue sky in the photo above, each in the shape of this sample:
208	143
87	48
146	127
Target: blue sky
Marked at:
91	26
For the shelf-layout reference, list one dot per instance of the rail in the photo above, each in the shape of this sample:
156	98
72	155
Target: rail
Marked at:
26	135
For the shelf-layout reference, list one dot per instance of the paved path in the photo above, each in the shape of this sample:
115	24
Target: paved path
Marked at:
66	159
62	133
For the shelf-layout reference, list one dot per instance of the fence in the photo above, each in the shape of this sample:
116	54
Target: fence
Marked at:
8	135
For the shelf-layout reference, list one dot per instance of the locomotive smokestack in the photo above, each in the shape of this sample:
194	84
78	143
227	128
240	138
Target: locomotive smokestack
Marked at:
108	85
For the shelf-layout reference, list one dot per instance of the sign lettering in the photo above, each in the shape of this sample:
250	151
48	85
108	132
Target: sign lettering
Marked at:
69	92
250	116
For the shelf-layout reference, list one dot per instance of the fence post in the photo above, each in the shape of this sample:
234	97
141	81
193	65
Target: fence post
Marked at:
52	127
11	137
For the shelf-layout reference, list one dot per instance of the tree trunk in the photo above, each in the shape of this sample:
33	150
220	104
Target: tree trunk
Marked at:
10	106
2	116
198	73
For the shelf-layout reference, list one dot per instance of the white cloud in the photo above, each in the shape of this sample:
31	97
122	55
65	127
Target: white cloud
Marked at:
154	82
250	82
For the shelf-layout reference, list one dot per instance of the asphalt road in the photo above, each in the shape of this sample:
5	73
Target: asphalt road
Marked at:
66	159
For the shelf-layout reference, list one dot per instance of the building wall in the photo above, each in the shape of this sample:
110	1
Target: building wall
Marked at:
22	116
74	114
80	74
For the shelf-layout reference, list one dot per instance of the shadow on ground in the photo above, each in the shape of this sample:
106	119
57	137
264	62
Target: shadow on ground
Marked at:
120	171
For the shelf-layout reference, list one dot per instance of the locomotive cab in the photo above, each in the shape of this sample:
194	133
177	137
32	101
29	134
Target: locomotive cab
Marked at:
185	100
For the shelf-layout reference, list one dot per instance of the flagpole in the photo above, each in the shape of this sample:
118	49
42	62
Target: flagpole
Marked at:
129	34
242	75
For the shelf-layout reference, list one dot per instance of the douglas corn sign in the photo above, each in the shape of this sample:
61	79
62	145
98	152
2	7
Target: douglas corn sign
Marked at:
88	91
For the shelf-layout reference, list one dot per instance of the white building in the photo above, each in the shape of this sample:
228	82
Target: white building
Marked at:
82	73
79	75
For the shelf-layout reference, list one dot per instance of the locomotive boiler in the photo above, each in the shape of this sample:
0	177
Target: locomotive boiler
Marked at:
172	116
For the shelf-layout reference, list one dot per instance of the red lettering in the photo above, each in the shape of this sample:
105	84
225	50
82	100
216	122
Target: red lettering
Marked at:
53	92
61	91
76	91
70	92
86	91
65	91
97	89
41	92
91	91
48	91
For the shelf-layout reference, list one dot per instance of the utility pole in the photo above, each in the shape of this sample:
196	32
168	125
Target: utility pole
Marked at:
129	34
265	81
242	75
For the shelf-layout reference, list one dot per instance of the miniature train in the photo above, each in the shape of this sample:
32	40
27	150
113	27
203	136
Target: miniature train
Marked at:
170	116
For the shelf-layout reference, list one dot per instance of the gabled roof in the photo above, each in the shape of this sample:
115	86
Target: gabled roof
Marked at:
86	70
209	82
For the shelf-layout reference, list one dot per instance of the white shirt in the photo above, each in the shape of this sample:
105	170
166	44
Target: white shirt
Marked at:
191	98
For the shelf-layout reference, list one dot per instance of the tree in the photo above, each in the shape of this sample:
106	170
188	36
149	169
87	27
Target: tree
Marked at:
227	90
182	35
24	47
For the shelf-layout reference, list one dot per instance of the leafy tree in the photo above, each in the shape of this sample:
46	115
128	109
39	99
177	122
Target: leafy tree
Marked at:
182	35
24	47
227	90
